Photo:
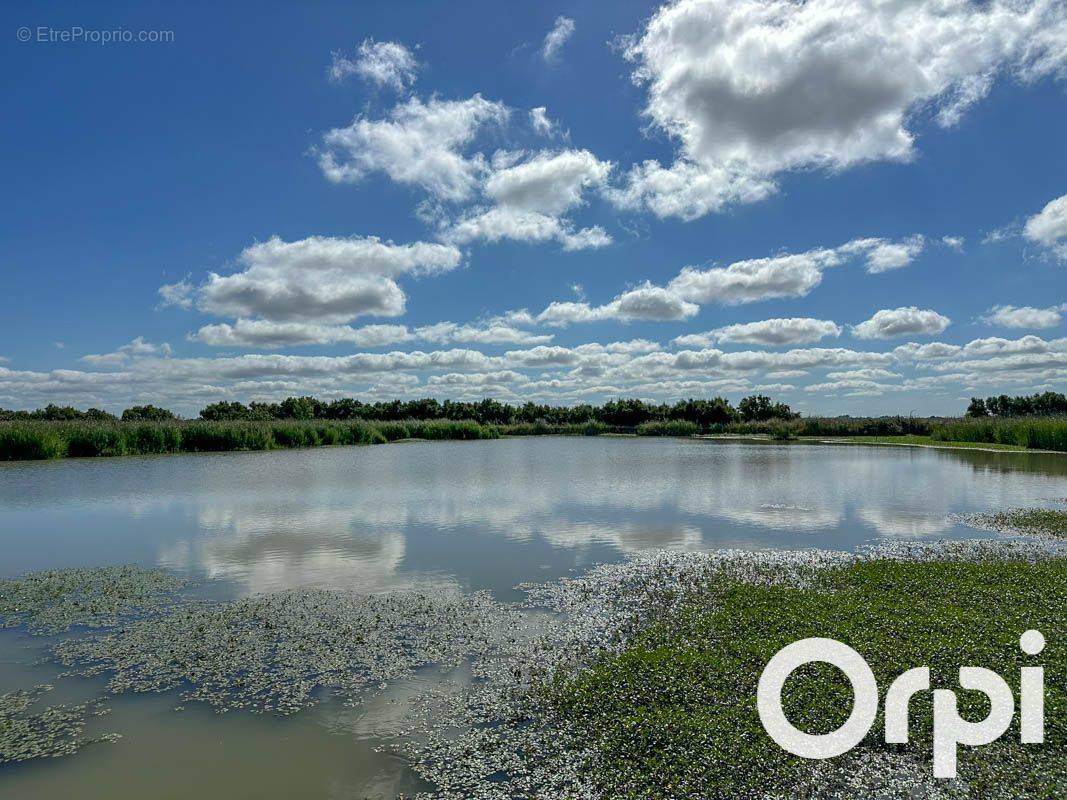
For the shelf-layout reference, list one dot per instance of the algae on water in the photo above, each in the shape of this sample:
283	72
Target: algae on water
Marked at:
50	732
54	600
275	652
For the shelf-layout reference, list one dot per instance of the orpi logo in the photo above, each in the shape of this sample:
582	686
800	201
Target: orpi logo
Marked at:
950	730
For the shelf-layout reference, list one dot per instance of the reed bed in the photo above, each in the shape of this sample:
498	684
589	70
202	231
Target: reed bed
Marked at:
668	427
35	440
1041	433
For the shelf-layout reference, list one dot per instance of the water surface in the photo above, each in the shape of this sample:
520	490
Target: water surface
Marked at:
468	515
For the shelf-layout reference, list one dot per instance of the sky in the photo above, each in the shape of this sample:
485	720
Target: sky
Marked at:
854	206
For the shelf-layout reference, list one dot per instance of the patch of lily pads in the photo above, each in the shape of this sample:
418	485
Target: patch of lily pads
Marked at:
55	600
27	731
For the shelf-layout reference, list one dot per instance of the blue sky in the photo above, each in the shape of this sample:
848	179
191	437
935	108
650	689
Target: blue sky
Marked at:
854	212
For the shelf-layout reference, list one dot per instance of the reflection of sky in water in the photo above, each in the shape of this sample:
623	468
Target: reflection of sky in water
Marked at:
489	514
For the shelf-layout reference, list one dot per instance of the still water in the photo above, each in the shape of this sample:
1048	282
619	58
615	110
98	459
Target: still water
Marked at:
468	515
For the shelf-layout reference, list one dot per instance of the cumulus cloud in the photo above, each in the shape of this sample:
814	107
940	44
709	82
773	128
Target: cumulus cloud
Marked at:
384	64
1024	316
530	199
953	243
420	143
905	321
773	332
753	88
882	255
646	302
318	279
562	30
747	281
1049	227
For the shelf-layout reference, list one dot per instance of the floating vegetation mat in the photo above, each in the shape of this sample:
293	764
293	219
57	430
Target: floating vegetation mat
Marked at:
46	733
55	600
1040	522
275	652
609	700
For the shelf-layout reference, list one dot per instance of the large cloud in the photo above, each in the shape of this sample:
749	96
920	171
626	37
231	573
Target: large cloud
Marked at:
890	323
419	144
1049	227
752	88
318	279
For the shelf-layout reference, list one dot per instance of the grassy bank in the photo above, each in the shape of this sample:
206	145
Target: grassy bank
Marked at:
928	441
45	440
674	713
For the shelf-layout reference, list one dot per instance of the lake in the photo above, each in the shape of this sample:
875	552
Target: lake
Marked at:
483	515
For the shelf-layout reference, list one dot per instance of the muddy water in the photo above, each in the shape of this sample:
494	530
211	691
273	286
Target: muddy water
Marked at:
466	515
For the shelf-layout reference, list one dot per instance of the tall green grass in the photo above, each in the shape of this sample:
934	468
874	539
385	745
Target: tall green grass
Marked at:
541	428
668	427
34	440
1042	433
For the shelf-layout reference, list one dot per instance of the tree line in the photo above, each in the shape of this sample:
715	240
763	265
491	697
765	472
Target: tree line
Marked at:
1046	404
622	412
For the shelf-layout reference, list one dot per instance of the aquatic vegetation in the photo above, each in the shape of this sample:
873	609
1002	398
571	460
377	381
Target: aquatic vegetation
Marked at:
276	652
646	687
47	733
1048	522
57	599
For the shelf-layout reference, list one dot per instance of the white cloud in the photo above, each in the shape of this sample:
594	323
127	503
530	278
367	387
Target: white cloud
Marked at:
774	332
384	64
1024	316
646	302
905	321
179	294
562	30
685	189
550	183
530	199
953	243
1049	227
319	279
138	348
540	122
883	255
266	334
788	275
753	88
502	222
419	144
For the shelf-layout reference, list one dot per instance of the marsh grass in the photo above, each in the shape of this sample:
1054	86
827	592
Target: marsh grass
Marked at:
1042	433
35	440
672	427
